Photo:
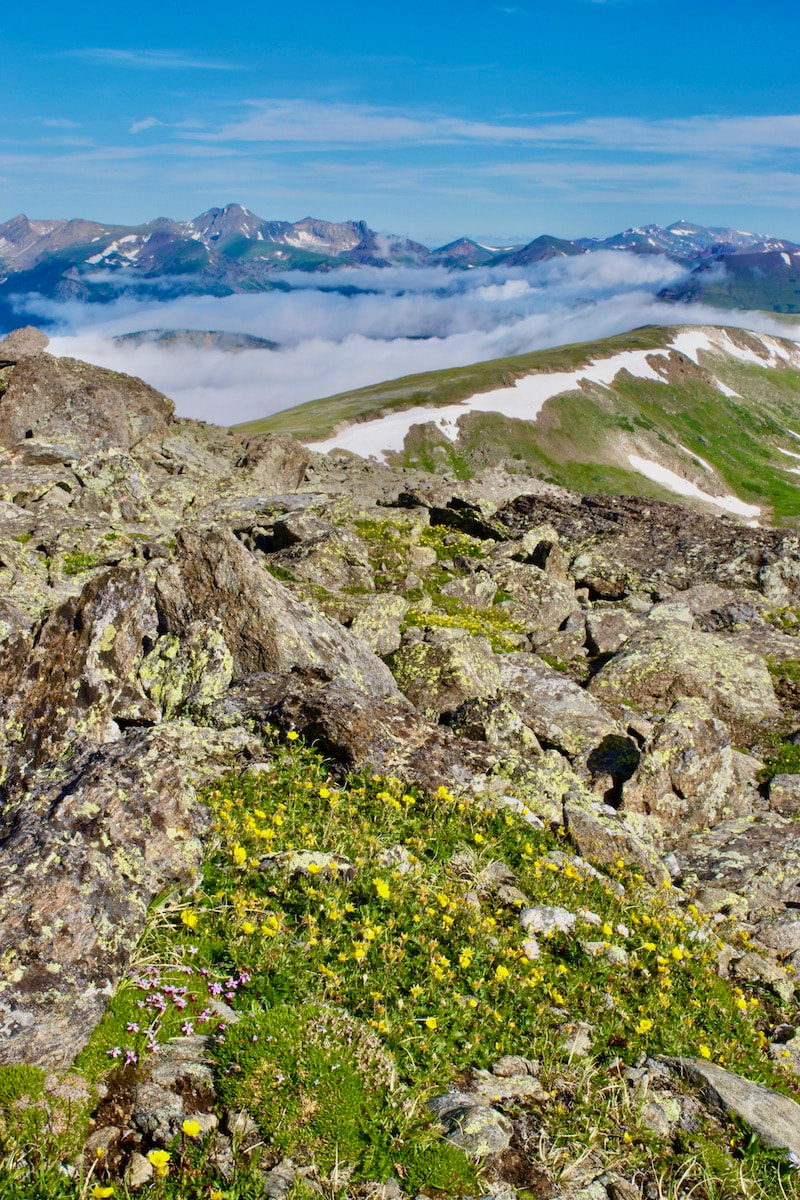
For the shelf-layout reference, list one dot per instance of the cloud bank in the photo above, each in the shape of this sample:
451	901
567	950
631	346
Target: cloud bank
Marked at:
387	323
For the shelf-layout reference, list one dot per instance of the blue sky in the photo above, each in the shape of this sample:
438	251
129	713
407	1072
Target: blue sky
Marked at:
432	119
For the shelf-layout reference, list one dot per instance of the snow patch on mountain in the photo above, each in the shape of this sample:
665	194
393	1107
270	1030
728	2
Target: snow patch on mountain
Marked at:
523	401
684	487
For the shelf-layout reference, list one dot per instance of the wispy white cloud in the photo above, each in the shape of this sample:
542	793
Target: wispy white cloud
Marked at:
151	60
286	122
145	123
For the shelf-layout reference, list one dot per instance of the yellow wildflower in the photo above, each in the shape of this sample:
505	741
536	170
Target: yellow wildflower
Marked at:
431	1023
644	1026
99	1192
191	1128
704	1051
189	918
382	888
160	1160
292	735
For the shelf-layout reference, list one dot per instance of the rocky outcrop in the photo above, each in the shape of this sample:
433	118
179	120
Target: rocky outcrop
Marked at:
274	463
171	589
560	713
22	343
668	659
686	776
81	859
266	628
70	682
773	1117
622	545
67	402
441	669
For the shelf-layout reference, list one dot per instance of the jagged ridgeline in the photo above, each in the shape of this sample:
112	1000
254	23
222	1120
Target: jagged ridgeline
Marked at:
373	831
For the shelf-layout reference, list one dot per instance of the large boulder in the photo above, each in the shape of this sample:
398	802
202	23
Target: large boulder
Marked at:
266	628
749	864
275	463
538	600
334	558
668	659
22	343
773	1117
76	679
605	836
443	668
686	776
559	712
357	729
81	859
70	402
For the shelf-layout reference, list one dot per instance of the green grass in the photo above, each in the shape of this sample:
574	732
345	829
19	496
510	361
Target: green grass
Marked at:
580	440
390	970
78	563
319	418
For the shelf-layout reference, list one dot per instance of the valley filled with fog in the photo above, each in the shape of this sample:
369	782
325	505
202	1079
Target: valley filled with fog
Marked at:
352	327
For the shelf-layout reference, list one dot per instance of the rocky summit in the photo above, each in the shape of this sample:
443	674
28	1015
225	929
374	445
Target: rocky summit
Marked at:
369	832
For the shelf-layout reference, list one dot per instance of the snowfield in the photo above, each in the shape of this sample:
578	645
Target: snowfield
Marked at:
526	398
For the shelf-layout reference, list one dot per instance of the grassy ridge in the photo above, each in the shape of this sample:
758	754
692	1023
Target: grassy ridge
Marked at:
581	439
319	419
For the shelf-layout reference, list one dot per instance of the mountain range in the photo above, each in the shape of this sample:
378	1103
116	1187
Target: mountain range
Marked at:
230	249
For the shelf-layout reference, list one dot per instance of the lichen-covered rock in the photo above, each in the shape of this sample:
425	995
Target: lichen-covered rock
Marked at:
619	545
753	860
784	794
604	836
378	622
539	601
496	721
21	343
773	1117
275	463
560	713
686	775
266	627
476	591
607	629
384	733
439	673
78	678
471	1123
189	671
67	401
81	858
336	559
668	660
499	1089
